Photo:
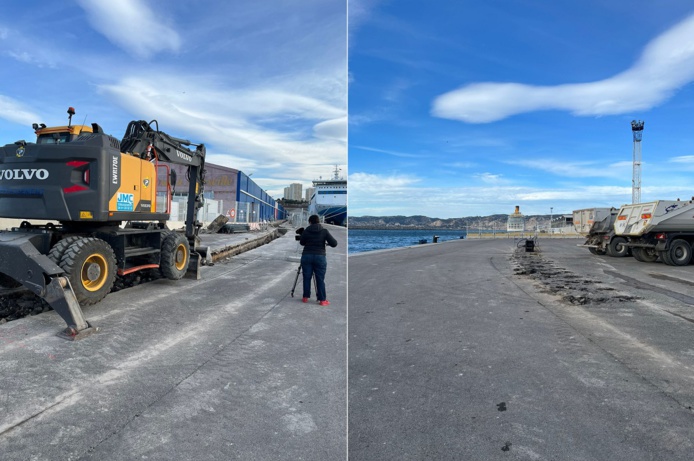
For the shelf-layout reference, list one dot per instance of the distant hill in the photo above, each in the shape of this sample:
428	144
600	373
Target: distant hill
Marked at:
497	221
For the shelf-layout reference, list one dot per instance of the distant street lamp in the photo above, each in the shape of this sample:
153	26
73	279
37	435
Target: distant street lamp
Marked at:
551	209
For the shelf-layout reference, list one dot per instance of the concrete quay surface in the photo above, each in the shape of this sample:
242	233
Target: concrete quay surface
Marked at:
222	368
476	350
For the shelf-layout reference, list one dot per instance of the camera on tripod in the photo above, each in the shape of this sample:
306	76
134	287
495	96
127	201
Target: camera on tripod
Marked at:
299	231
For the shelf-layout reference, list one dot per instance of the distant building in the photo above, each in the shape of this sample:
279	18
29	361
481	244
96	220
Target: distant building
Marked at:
309	193
295	191
562	224
516	221
227	191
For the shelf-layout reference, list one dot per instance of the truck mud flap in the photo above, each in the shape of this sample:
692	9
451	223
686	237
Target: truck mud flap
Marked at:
21	260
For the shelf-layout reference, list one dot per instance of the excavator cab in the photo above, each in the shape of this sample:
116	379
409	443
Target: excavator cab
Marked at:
60	134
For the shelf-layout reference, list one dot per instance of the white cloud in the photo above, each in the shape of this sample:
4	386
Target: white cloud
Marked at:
376	184
460	165
23	46
132	25
395	92
488	178
14	111
385	151
359	12
666	64
234	121
388	195
332	129
683	159
577	169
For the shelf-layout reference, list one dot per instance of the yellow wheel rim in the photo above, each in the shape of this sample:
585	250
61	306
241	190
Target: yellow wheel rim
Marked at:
181	257
94	272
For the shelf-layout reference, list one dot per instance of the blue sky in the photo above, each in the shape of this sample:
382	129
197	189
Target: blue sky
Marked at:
465	108
262	84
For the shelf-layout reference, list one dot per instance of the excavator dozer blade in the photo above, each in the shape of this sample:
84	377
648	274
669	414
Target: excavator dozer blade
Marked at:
21	260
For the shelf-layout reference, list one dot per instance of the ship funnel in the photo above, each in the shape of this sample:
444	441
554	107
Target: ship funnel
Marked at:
517	210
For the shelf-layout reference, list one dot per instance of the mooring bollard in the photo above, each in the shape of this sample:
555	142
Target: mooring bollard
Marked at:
436	238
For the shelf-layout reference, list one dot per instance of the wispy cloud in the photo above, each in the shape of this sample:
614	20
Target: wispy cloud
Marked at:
387	195
666	64
488	178
335	129
375	184
395	92
389	152
359	12
689	159
133	26
244	129
576	169
460	165
14	111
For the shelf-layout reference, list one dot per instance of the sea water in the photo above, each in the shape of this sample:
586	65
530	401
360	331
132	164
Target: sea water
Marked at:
361	240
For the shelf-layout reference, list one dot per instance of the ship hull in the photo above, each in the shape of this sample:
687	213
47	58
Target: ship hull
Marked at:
330	214
329	201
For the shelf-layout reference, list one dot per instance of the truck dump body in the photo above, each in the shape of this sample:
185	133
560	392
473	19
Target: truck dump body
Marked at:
591	220
659	216
597	224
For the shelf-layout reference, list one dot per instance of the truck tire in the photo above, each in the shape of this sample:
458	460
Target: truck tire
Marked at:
175	256
90	264
616	247
680	252
593	250
665	258
645	255
59	249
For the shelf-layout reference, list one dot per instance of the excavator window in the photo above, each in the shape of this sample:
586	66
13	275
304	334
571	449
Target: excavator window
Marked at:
53	138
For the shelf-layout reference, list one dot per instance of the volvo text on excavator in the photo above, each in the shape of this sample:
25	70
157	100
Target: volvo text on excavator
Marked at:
106	202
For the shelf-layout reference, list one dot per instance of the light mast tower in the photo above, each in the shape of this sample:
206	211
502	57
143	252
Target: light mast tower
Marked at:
637	130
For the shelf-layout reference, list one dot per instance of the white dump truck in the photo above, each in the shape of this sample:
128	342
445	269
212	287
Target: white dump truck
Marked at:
662	229
597	225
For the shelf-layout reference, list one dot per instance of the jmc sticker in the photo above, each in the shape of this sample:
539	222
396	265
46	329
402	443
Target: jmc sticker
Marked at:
125	202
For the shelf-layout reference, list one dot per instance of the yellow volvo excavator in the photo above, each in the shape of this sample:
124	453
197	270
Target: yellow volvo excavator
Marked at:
106	201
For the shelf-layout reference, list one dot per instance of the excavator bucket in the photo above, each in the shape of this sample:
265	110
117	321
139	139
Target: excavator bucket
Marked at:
21	260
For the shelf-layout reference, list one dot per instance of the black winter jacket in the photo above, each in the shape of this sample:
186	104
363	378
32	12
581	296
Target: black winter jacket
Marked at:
314	238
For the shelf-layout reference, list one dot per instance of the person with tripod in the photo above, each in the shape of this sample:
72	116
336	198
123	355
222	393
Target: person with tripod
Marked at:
313	259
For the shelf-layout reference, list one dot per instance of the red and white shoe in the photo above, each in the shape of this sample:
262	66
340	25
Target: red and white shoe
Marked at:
305	300
324	303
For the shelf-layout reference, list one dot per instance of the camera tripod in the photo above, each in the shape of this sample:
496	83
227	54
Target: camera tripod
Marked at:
296	280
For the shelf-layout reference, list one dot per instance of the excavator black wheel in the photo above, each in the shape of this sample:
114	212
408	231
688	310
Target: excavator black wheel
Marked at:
175	256
90	264
58	250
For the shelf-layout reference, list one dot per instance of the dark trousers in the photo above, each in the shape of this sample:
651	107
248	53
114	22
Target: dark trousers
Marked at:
314	265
